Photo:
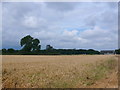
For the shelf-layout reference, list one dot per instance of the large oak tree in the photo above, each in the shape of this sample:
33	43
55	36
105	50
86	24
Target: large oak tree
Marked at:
30	44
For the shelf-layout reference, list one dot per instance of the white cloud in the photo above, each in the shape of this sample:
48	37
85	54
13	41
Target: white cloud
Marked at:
70	33
63	25
33	22
30	22
100	38
96	32
61	6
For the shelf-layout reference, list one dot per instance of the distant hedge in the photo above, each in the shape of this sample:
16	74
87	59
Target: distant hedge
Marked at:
50	52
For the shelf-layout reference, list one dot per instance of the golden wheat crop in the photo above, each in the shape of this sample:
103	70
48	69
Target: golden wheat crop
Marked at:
63	71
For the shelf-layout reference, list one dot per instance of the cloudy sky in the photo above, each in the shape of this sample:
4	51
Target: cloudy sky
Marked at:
61	24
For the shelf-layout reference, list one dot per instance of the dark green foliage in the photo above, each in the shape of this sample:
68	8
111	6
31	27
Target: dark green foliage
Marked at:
49	47
117	51
91	51
29	44
11	50
31	47
53	52
69	51
36	46
4	50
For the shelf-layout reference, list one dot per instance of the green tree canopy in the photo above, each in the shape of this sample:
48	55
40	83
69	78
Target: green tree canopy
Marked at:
36	45
30	44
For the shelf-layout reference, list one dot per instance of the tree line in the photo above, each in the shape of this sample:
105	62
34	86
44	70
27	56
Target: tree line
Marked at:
31	46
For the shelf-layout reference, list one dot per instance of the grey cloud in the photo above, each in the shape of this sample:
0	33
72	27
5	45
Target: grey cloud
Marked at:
53	27
113	5
62	6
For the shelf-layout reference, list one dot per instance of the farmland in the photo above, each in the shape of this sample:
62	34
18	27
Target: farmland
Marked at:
60	71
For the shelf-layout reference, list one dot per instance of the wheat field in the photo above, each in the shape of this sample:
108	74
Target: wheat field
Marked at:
60	71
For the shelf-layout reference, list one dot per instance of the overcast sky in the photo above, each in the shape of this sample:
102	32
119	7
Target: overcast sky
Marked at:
86	25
